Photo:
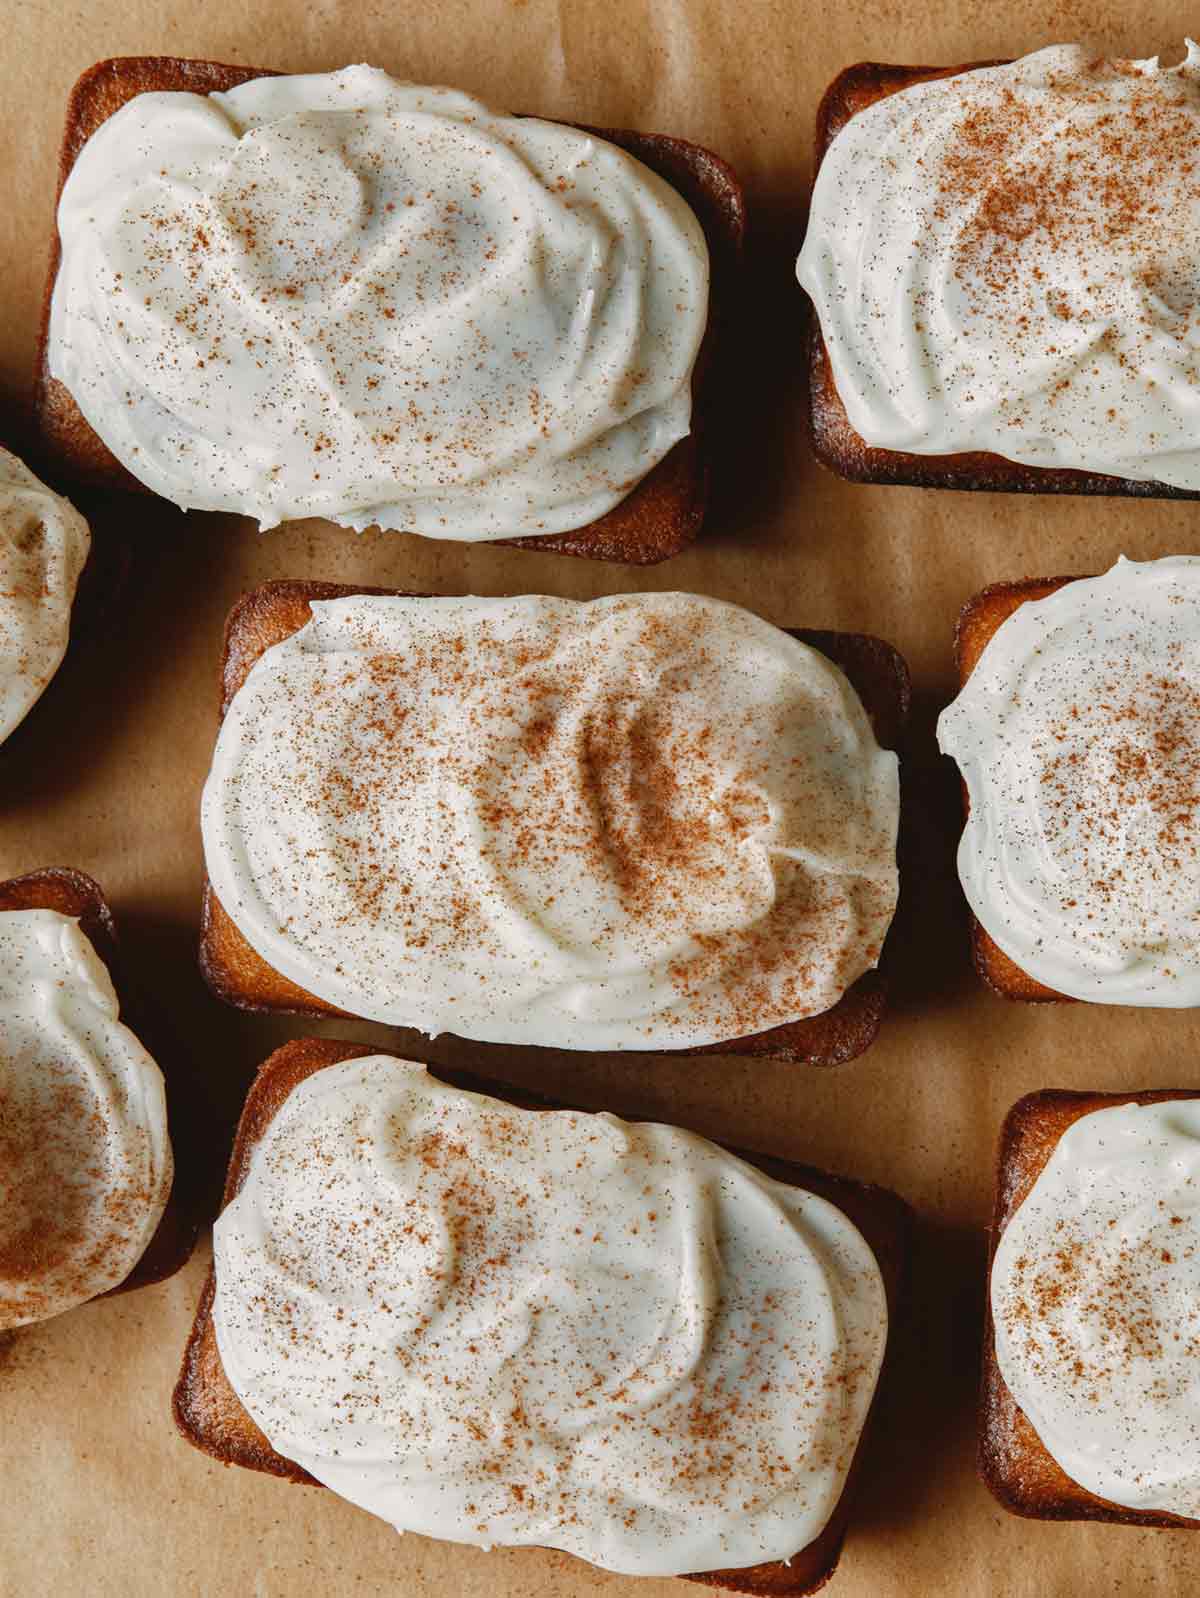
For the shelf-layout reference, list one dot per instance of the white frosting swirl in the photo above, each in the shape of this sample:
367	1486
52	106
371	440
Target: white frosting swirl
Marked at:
85	1161
1004	260
639	822
1078	736
1096	1305
338	295
505	1327
44	544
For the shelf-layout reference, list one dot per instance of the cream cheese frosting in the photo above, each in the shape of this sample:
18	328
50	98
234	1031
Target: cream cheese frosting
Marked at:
1095	1295
1004	260
339	295
506	1327
44	543
638	822
85	1159
1078	736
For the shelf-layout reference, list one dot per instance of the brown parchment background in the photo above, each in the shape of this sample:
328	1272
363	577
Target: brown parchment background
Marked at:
97	1493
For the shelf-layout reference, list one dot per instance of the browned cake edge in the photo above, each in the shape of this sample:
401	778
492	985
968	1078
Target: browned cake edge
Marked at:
978	622
72	893
836	443
660	517
240	976
211	1417
1014	1463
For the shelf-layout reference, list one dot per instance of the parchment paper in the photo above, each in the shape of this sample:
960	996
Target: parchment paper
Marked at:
97	1493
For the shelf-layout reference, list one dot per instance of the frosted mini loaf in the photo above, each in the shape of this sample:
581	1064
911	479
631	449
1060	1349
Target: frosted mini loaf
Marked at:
1095	1295
85	1159
345	296
1078	737
509	1327
643	821
1002	260
44	544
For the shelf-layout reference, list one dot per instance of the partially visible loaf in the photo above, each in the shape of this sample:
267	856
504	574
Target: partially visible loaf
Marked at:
836	443
1014	1462
240	976
72	893
211	1417
100	586
660	517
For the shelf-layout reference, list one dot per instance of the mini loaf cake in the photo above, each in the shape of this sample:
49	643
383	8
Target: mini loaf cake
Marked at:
44	549
1077	732
646	822
1089	1407
341	295
85	1159
1000	261
629	1344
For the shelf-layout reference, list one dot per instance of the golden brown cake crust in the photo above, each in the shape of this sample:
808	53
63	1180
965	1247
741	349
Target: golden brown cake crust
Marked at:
836	443
238	974
1013	1461
209	1414
660	517
977	622
72	893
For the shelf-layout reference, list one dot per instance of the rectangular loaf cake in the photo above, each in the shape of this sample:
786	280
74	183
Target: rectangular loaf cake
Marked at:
71	893
1013	1461
240	976
211	1417
660	517
835	441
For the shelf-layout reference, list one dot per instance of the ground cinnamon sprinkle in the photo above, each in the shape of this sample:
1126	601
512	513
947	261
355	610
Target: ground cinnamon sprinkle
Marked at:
1069	171
1082	1279
1130	799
